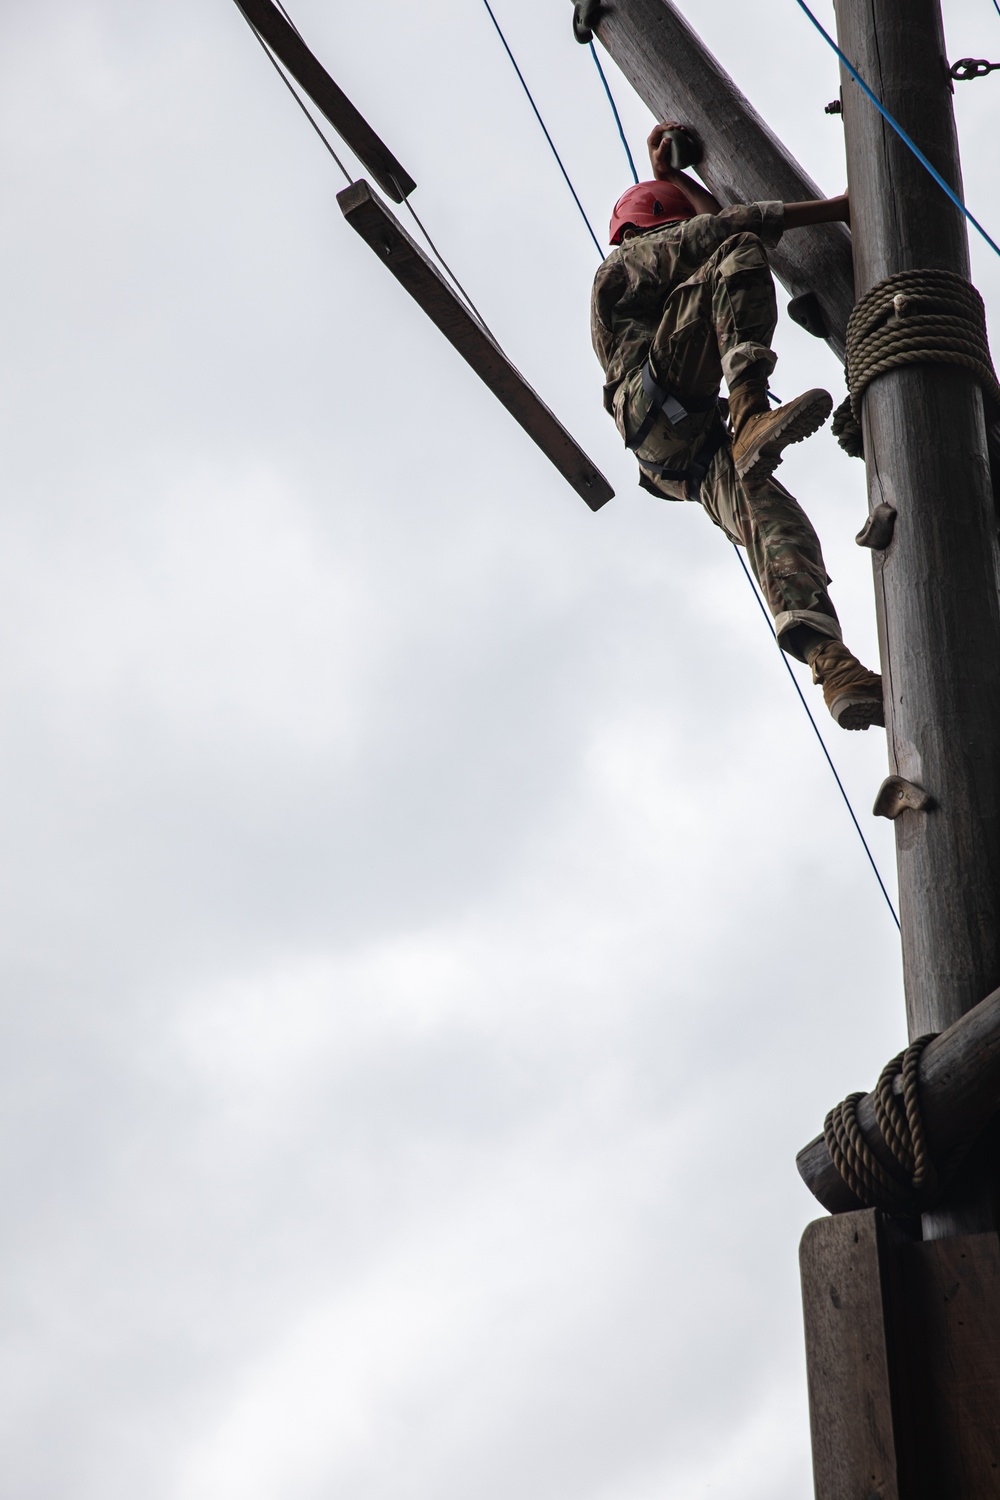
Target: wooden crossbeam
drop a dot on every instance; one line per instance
(367, 214)
(959, 1077)
(286, 44)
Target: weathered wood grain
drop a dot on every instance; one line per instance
(673, 71)
(847, 1360)
(936, 585)
(959, 1092)
(286, 44)
(948, 1367)
(367, 214)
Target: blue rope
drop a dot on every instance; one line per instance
(996, 6)
(899, 129)
(614, 107)
(829, 759)
(541, 122)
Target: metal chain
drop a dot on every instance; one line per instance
(971, 67)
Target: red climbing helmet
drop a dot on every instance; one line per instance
(648, 204)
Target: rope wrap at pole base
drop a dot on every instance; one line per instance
(908, 1186)
(915, 317)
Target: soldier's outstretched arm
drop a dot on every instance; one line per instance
(818, 211)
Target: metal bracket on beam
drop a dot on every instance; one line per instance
(877, 531)
(897, 795)
(807, 310)
(586, 14)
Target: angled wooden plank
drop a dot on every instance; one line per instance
(412, 269)
(286, 44)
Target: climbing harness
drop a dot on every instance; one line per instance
(913, 1177)
(915, 317)
(693, 476)
(665, 403)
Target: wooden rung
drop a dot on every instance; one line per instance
(411, 267)
(286, 44)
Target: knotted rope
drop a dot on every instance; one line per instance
(900, 1123)
(914, 317)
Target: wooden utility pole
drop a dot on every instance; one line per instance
(936, 584)
(902, 1315)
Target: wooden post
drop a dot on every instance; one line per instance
(936, 584)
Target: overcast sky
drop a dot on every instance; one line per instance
(429, 929)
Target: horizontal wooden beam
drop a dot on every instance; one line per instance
(289, 48)
(412, 269)
(959, 1094)
(670, 68)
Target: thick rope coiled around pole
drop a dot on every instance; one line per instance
(912, 318)
(906, 1187)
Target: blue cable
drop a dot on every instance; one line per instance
(829, 759)
(899, 129)
(996, 6)
(614, 107)
(541, 122)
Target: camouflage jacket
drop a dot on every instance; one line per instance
(632, 286)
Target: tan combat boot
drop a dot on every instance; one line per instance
(853, 694)
(760, 434)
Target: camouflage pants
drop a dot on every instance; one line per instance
(718, 323)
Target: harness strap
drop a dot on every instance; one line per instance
(662, 401)
(692, 477)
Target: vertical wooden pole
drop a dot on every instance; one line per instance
(936, 585)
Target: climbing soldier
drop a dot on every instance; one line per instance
(684, 299)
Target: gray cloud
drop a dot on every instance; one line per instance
(413, 886)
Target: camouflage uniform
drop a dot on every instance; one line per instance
(696, 299)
